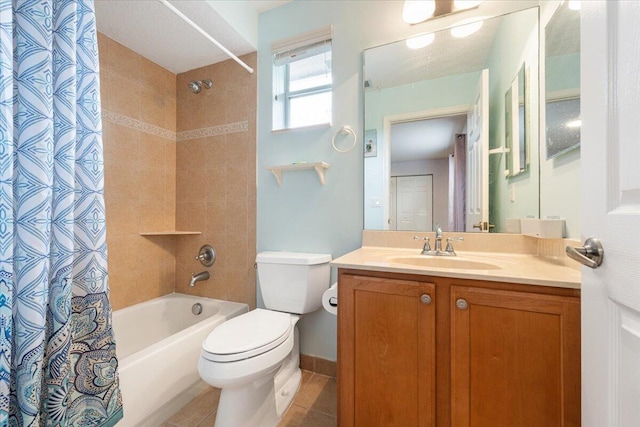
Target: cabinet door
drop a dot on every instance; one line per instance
(515, 359)
(386, 352)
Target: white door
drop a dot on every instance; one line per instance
(610, 40)
(393, 200)
(414, 202)
(478, 157)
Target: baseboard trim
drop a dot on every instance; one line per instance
(318, 365)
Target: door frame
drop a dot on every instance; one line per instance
(414, 116)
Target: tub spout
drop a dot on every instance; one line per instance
(203, 275)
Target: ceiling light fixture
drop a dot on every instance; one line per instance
(574, 4)
(465, 30)
(465, 4)
(416, 11)
(420, 41)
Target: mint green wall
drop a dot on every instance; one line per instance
(562, 72)
(303, 215)
(516, 42)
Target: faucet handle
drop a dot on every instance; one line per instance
(449, 247)
(206, 255)
(427, 247)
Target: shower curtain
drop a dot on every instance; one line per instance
(58, 364)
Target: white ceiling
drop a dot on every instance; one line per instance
(152, 30)
(447, 55)
(425, 139)
(562, 33)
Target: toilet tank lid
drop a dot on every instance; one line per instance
(302, 258)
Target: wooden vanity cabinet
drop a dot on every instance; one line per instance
(387, 352)
(515, 358)
(479, 354)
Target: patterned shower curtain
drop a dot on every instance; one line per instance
(58, 364)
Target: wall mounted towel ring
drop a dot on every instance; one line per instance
(344, 130)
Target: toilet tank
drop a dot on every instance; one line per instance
(293, 282)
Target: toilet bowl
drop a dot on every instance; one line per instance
(254, 358)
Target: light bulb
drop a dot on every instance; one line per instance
(574, 123)
(420, 41)
(415, 11)
(466, 30)
(465, 4)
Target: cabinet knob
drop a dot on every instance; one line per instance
(425, 298)
(462, 304)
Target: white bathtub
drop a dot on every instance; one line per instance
(158, 344)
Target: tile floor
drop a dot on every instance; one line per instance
(315, 405)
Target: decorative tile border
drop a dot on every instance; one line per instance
(129, 122)
(213, 131)
(132, 123)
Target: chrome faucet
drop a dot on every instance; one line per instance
(438, 238)
(437, 251)
(203, 275)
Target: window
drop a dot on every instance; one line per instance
(302, 81)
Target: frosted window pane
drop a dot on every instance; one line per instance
(310, 110)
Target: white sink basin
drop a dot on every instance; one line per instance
(458, 263)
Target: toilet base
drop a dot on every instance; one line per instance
(265, 400)
(287, 380)
(258, 406)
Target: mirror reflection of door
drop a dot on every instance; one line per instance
(422, 172)
(412, 202)
(393, 202)
(477, 214)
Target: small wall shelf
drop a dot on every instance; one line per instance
(499, 150)
(319, 167)
(169, 233)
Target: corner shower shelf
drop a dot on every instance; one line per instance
(319, 167)
(169, 233)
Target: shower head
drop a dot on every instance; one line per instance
(196, 86)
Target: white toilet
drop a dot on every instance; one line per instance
(254, 358)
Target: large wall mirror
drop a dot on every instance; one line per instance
(436, 112)
(439, 110)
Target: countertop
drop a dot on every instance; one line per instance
(504, 267)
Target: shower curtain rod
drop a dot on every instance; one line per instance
(204, 33)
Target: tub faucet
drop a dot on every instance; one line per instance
(203, 275)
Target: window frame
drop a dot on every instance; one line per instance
(301, 93)
(282, 110)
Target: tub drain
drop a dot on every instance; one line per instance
(196, 308)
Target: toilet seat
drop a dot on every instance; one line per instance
(247, 335)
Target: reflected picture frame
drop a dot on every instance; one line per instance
(562, 126)
(370, 142)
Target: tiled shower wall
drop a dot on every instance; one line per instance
(216, 184)
(139, 123)
(177, 160)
